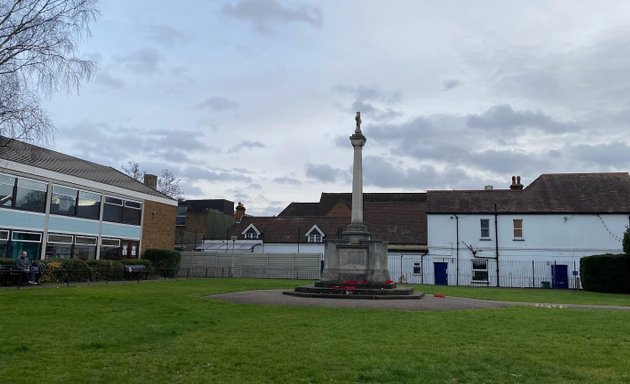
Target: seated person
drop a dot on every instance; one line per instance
(24, 264)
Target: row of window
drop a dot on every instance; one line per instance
(30, 195)
(517, 228)
(479, 270)
(65, 246)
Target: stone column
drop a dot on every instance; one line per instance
(357, 230)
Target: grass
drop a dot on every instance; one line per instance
(531, 295)
(171, 332)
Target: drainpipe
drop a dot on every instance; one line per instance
(496, 240)
(456, 248)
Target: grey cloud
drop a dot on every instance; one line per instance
(607, 156)
(108, 80)
(287, 180)
(383, 172)
(165, 35)
(246, 144)
(371, 101)
(218, 103)
(325, 173)
(215, 174)
(265, 14)
(142, 61)
(450, 84)
(503, 117)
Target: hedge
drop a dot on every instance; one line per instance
(606, 273)
(165, 261)
(106, 270)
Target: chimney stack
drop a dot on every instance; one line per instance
(516, 184)
(240, 212)
(150, 180)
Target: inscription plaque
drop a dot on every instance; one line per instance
(353, 258)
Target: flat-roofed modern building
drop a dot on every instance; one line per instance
(58, 206)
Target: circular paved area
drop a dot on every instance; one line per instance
(427, 303)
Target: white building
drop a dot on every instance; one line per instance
(525, 237)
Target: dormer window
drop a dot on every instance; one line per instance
(251, 232)
(314, 238)
(314, 235)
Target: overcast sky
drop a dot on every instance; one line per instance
(254, 100)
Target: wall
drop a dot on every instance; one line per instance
(549, 241)
(545, 236)
(158, 230)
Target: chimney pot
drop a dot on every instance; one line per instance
(150, 180)
(240, 212)
(516, 184)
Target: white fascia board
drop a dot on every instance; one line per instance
(314, 228)
(250, 227)
(88, 184)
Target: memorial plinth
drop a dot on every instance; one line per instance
(355, 266)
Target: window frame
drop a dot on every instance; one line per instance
(485, 228)
(31, 185)
(480, 267)
(517, 230)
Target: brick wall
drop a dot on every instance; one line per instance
(158, 230)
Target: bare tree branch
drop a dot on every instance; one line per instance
(38, 56)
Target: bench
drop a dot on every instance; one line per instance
(9, 276)
(134, 272)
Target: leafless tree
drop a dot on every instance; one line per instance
(133, 170)
(38, 56)
(168, 184)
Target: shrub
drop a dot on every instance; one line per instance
(165, 261)
(65, 270)
(6, 261)
(626, 241)
(606, 273)
(105, 270)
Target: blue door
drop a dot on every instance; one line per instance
(559, 276)
(440, 271)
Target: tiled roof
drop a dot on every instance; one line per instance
(32, 155)
(392, 217)
(549, 193)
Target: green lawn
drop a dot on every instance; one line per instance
(171, 332)
(535, 295)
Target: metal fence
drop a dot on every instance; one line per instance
(519, 273)
(255, 265)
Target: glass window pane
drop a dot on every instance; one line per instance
(31, 195)
(26, 236)
(63, 200)
(6, 190)
(85, 252)
(62, 239)
(133, 204)
(89, 205)
(4, 235)
(131, 216)
(85, 240)
(113, 200)
(58, 251)
(112, 213)
(110, 242)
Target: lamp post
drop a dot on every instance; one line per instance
(232, 268)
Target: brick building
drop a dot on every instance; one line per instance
(58, 206)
